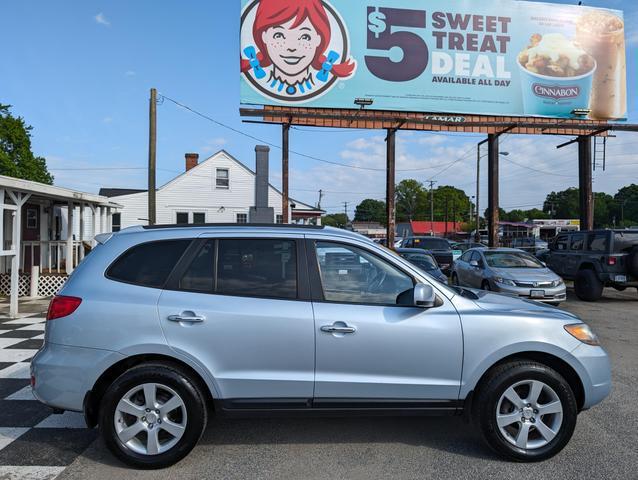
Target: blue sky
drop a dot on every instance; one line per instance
(80, 71)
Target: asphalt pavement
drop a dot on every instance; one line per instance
(604, 446)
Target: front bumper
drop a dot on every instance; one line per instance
(550, 295)
(63, 374)
(595, 374)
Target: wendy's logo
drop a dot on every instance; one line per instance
(294, 51)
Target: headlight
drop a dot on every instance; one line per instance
(557, 283)
(505, 281)
(582, 332)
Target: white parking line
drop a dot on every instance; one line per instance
(9, 434)
(25, 393)
(17, 370)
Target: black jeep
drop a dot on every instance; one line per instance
(596, 259)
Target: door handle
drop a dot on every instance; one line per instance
(338, 329)
(186, 318)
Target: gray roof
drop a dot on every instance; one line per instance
(116, 192)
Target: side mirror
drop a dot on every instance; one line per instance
(424, 296)
(474, 263)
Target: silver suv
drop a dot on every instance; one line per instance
(159, 327)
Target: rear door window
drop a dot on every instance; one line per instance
(148, 264)
(257, 268)
(561, 243)
(578, 242)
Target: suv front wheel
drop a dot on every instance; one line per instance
(152, 416)
(526, 411)
(587, 286)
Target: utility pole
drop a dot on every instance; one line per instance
(477, 235)
(320, 198)
(431, 182)
(446, 217)
(454, 215)
(345, 210)
(285, 197)
(390, 182)
(152, 156)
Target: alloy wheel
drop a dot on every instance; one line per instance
(529, 414)
(150, 419)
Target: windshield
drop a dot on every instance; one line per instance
(511, 260)
(422, 260)
(432, 243)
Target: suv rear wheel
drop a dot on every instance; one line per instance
(526, 411)
(152, 416)
(587, 286)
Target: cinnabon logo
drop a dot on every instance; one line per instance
(554, 91)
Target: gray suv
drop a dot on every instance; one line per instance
(160, 327)
(596, 259)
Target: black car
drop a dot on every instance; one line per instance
(424, 260)
(439, 247)
(596, 259)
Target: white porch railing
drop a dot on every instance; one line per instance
(49, 254)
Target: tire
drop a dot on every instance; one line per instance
(509, 439)
(632, 262)
(587, 286)
(190, 416)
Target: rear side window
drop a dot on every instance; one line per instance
(598, 242)
(198, 277)
(259, 268)
(578, 242)
(148, 264)
(561, 243)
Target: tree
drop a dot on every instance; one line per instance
(563, 204)
(627, 206)
(16, 158)
(457, 203)
(410, 194)
(370, 210)
(338, 220)
(604, 209)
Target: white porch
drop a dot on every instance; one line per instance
(46, 231)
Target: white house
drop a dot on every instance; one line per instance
(220, 189)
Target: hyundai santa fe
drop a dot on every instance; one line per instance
(160, 327)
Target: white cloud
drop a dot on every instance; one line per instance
(130, 73)
(102, 20)
(214, 144)
(107, 120)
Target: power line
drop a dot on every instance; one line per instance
(310, 157)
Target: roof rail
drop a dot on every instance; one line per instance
(242, 225)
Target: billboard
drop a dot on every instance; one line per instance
(494, 57)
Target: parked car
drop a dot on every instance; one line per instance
(425, 261)
(465, 246)
(596, 259)
(511, 271)
(161, 326)
(439, 247)
(532, 245)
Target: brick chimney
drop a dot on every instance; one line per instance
(191, 160)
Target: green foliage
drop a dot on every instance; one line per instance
(626, 201)
(370, 210)
(16, 158)
(410, 198)
(563, 204)
(338, 220)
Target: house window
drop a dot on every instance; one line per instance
(280, 219)
(181, 218)
(116, 222)
(242, 218)
(222, 179)
(199, 218)
(32, 218)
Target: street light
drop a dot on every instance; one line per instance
(477, 235)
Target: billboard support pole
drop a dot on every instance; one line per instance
(586, 197)
(285, 197)
(477, 234)
(390, 186)
(493, 194)
(152, 156)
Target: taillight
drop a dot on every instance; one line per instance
(611, 261)
(62, 306)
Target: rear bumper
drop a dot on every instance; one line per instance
(63, 374)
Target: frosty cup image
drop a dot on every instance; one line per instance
(602, 35)
(556, 76)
